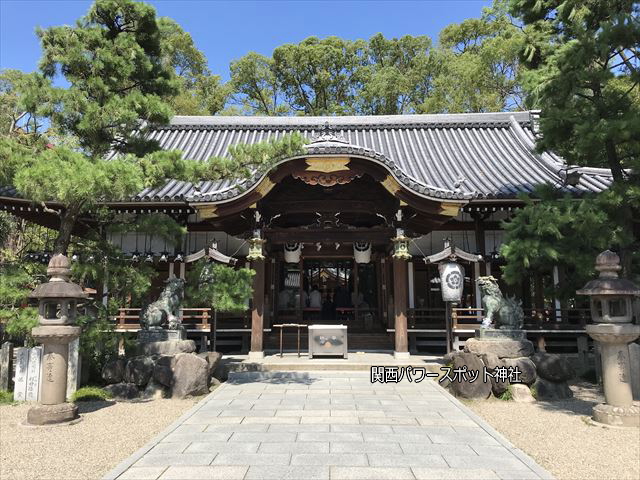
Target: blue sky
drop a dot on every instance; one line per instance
(227, 30)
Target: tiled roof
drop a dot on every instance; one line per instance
(465, 156)
(457, 156)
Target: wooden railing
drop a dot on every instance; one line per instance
(469, 318)
(193, 319)
(563, 327)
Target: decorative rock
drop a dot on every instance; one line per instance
(447, 359)
(163, 371)
(51, 414)
(498, 387)
(168, 347)
(190, 376)
(526, 367)
(476, 389)
(553, 367)
(521, 393)
(491, 361)
(212, 359)
(139, 370)
(546, 390)
(154, 391)
(113, 370)
(125, 391)
(501, 348)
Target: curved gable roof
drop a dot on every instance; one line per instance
(457, 156)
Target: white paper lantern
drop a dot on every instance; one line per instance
(451, 281)
(292, 252)
(362, 252)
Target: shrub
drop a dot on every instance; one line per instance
(507, 394)
(6, 398)
(87, 394)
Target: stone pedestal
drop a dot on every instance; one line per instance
(160, 335)
(53, 409)
(497, 334)
(619, 409)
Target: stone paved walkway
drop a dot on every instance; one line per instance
(328, 425)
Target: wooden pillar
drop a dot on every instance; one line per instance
(478, 294)
(257, 310)
(412, 301)
(400, 306)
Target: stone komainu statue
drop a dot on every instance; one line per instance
(164, 312)
(500, 312)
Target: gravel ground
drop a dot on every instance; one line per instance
(558, 437)
(108, 433)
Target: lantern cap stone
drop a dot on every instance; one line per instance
(58, 286)
(608, 283)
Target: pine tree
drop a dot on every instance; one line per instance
(583, 72)
(120, 75)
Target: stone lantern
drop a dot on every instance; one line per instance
(611, 309)
(57, 306)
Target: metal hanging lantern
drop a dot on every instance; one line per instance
(362, 252)
(451, 281)
(255, 247)
(292, 252)
(401, 245)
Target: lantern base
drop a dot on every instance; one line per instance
(497, 334)
(52, 414)
(617, 416)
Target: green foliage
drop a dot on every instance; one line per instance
(482, 54)
(583, 72)
(6, 398)
(20, 322)
(224, 288)
(507, 394)
(16, 283)
(386, 76)
(156, 224)
(560, 230)
(200, 92)
(98, 341)
(90, 394)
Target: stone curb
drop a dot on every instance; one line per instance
(138, 454)
(501, 439)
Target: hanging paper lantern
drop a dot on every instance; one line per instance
(292, 252)
(362, 252)
(451, 281)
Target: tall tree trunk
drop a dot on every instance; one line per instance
(68, 220)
